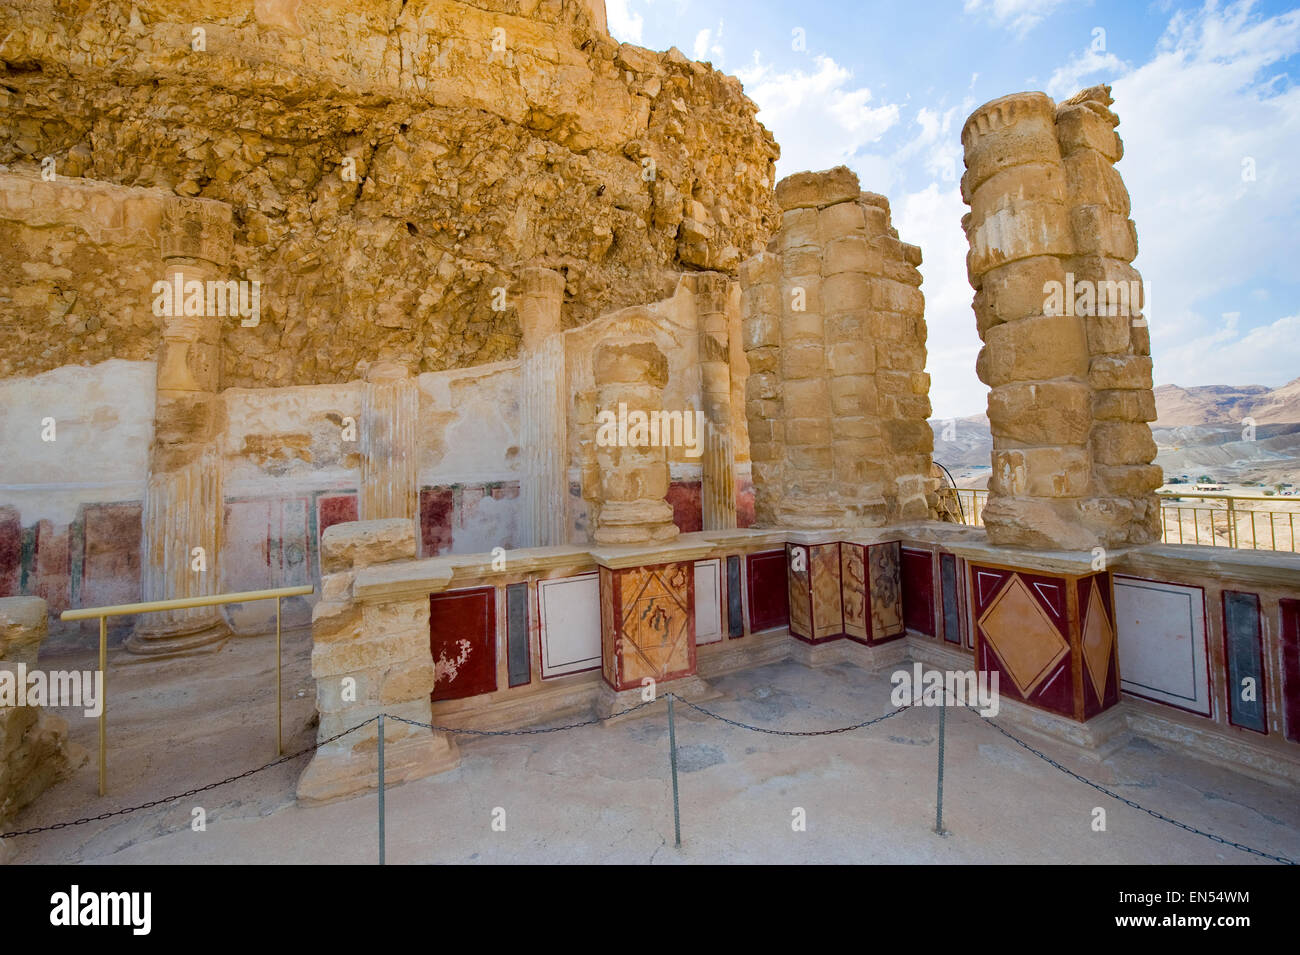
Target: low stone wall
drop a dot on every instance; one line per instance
(370, 657)
(34, 749)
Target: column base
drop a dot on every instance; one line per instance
(611, 702)
(338, 772)
(1092, 741)
(843, 650)
(206, 636)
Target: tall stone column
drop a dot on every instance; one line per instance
(718, 482)
(184, 508)
(390, 405)
(633, 472)
(835, 335)
(543, 411)
(1036, 363)
(760, 279)
(1070, 382)
(1119, 341)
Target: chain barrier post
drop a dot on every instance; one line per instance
(938, 808)
(103, 710)
(672, 758)
(381, 788)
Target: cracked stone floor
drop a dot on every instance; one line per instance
(603, 793)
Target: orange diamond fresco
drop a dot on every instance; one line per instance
(1023, 636)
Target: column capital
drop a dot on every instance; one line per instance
(197, 229)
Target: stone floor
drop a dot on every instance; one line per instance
(602, 793)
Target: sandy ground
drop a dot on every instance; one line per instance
(602, 793)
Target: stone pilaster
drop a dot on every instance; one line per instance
(630, 380)
(543, 411)
(184, 507)
(390, 405)
(718, 482)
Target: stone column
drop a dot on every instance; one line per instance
(809, 473)
(718, 482)
(1119, 342)
(835, 334)
(390, 405)
(543, 411)
(1035, 363)
(760, 279)
(633, 475)
(184, 508)
(1071, 387)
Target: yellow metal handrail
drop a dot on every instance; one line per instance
(182, 603)
(972, 501)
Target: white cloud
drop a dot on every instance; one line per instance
(708, 46)
(624, 25)
(819, 118)
(1067, 80)
(702, 43)
(1265, 355)
(1020, 16)
(1203, 105)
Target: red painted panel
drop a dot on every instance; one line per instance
(684, 496)
(462, 639)
(769, 597)
(745, 504)
(52, 577)
(918, 591)
(1291, 667)
(340, 509)
(11, 551)
(111, 566)
(436, 505)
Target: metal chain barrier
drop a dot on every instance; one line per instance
(190, 792)
(591, 722)
(1129, 802)
(524, 732)
(772, 732)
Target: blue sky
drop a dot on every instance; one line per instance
(1205, 92)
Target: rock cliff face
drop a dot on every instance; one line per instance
(391, 164)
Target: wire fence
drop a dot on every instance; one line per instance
(670, 698)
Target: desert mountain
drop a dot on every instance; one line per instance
(1226, 404)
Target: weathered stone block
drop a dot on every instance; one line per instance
(1035, 349)
(358, 544)
(816, 190)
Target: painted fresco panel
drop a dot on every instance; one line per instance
(769, 600)
(462, 639)
(1162, 648)
(885, 597)
(1241, 638)
(853, 584)
(828, 612)
(570, 624)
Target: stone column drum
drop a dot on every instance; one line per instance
(718, 481)
(633, 478)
